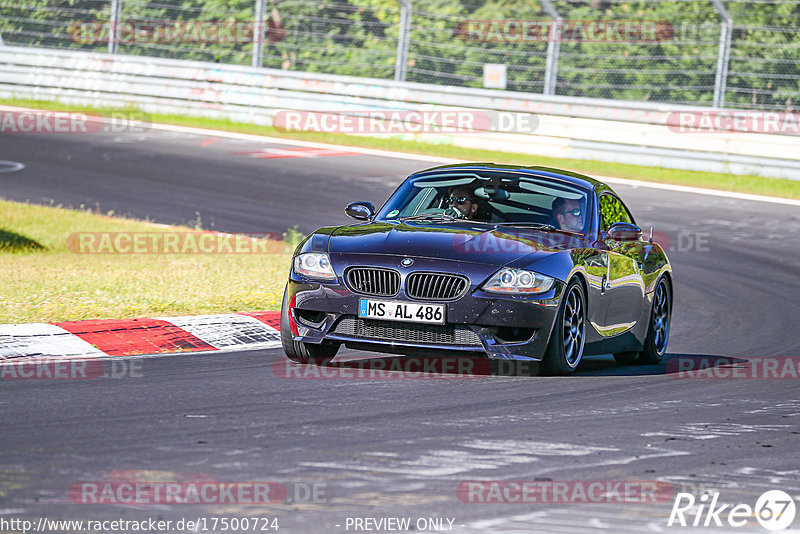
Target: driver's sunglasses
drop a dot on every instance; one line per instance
(575, 213)
(457, 200)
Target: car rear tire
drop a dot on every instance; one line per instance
(655, 344)
(298, 351)
(565, 348)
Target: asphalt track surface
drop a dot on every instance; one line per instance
(399, 447)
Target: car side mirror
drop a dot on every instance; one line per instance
(623, 231)
(363, 211)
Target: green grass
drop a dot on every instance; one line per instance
(41, 279)
(727, 182)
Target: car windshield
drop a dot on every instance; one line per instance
(498, 198)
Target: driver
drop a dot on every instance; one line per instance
(462, 203)
(568, 214)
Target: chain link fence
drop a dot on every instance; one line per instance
(736, 54)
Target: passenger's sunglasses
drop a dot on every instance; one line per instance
(575, 213)
(457, 200)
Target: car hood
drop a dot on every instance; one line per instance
(459, 241)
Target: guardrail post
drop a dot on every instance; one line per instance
(259, 31)
(723, 55)
(553, 48)
(401, 63)
(113, 21)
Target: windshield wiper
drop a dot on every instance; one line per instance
(538, 226)
(429, 217)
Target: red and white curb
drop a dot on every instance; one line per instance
(130, 337)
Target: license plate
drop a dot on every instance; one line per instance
(393, 310)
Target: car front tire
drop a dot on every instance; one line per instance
(655, 344)
(565, 348)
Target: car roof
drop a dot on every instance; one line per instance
(581, 180)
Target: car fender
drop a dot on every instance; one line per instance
(316, 242)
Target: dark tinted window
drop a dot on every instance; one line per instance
(501, 197)
(612, 211)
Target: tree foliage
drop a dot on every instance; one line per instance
(359, 38)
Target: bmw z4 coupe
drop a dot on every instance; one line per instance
(496, 261)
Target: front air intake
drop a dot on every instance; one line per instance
(436, 286)
(373, 281)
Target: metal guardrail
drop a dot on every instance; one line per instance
(735, 53)
(367, 92)
(606, 130)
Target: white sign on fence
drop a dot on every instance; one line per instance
(494, 75)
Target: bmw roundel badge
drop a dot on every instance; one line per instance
(407, 262)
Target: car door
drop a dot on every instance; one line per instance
(624, 288)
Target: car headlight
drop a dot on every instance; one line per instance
(316, 265)
(518, 281)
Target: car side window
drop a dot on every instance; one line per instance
(612, 211)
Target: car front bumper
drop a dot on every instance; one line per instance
(499, 326)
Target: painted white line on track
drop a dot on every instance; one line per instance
(309, 144)
(699, 191)
(11, 166)
(436, 159)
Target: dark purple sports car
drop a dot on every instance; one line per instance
(520, 263)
